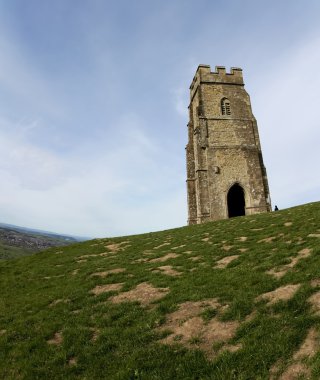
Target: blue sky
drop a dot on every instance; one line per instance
(94, 96)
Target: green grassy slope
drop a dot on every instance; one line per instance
(9, 252)
(53, 326)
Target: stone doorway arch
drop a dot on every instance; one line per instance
(236, 201)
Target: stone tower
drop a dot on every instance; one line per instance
(225, 172)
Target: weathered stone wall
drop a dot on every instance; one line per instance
(222, 149)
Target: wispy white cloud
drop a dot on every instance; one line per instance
(110, 184)
(110, 188)
(286, 106)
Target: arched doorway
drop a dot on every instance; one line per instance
(236, 202)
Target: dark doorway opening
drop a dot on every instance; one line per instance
(236, 202)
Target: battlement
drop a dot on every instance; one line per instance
(205, 75)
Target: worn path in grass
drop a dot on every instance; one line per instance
(233, 299)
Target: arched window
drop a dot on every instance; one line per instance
(225, 107)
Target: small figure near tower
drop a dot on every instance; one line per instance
(226, 176)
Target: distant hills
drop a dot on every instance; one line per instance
(18, 241)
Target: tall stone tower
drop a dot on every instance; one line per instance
(225, 172)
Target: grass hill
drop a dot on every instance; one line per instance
(233, 299)
(18, 241)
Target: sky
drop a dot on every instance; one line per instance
(94, 97)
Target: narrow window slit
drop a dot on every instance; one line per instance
(225, 107)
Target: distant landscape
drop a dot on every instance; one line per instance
(18, 241)
(234, 299)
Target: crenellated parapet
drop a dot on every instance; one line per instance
(205, 75)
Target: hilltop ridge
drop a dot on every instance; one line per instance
(18, 241)
(232, 299)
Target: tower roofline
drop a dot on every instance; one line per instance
(205, 75)
(218, 69)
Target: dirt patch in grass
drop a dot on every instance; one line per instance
(267, 240)
(295, 371)
(242, 238)
(179, 246)
(242, 249)
(297, 368)
(227, 247)
(95, 334)
(141, 260)
(86, 256)
(82, 261)
(72, 362)
(205, 239)
(315, 302)
(148, 252)
(99, 289)
(56, 340)
(188, 328)
(102, 254)
(116, 247)
(250, 317)
(144, 293)
(284, 293)
(2, 332)
(50, 277)
(195, 258)
(161, 245)
(56, 302)
(190, 309)
(107, 255)
(305, 252)
(315, 282)
(168, 270)
(164, 258)
(274, 370)
(222, 263)
(309, 347)
(107, 272)
(279, 272)
(288, 224)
